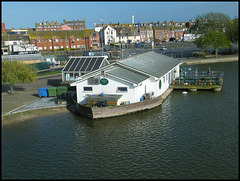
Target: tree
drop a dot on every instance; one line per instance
(24, 43)
(232, 32)
(211, 22)
(214, 39)
(14, 72)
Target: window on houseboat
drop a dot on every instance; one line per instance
(87, 88)
(122, 89)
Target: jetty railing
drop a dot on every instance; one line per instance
(194, 80)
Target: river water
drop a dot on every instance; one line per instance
(190, 136)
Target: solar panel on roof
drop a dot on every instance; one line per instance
(69, 63)
(81, 62)
(85, 64)
(74, 64)
(98, 63)
(90, 65)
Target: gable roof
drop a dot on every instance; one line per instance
(151, 63)
(136, 69)
(127, 75)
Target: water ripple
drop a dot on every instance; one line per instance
(192, 136)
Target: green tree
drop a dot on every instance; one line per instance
(213, 39)
(211, 22)
(232, 32)
(14, 72)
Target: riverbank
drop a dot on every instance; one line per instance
(25, 94)
(23, 116)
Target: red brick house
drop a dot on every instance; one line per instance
(70, 39)
(163, 34)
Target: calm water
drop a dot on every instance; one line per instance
(188, 137)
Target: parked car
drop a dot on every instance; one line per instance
(139, 45)
(164, 48)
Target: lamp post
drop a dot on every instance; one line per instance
(102, 35)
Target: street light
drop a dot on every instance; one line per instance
(102, 35)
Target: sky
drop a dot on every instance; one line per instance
(25, 13)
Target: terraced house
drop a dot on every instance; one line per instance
(70, 39)
(165, 34)
(57, 26)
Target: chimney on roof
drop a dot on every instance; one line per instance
(63, 21)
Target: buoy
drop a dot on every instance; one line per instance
(184, 92)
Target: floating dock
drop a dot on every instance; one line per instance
(194, 80)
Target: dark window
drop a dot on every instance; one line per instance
(87, 88)
(122, 89)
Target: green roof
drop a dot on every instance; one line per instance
(60, 34)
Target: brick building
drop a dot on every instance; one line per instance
(146, 34)
(75, 25)
(57, 26)
(165, 34)
(55, 40)
(2, 27)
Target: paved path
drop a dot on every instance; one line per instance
(27, 93)
(220, 58)
(45, 102)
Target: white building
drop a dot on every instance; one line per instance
(130, 79)
(97, 27)
(190, 36)
(128, 37)
(108, 34)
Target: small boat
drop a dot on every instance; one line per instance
(184, 92)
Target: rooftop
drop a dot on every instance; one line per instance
(61, 34)
(151, 63)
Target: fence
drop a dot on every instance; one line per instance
(23, 57)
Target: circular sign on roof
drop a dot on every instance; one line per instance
(104, 81)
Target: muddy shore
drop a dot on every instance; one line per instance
(26, 115)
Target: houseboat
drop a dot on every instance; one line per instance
(133, 84)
